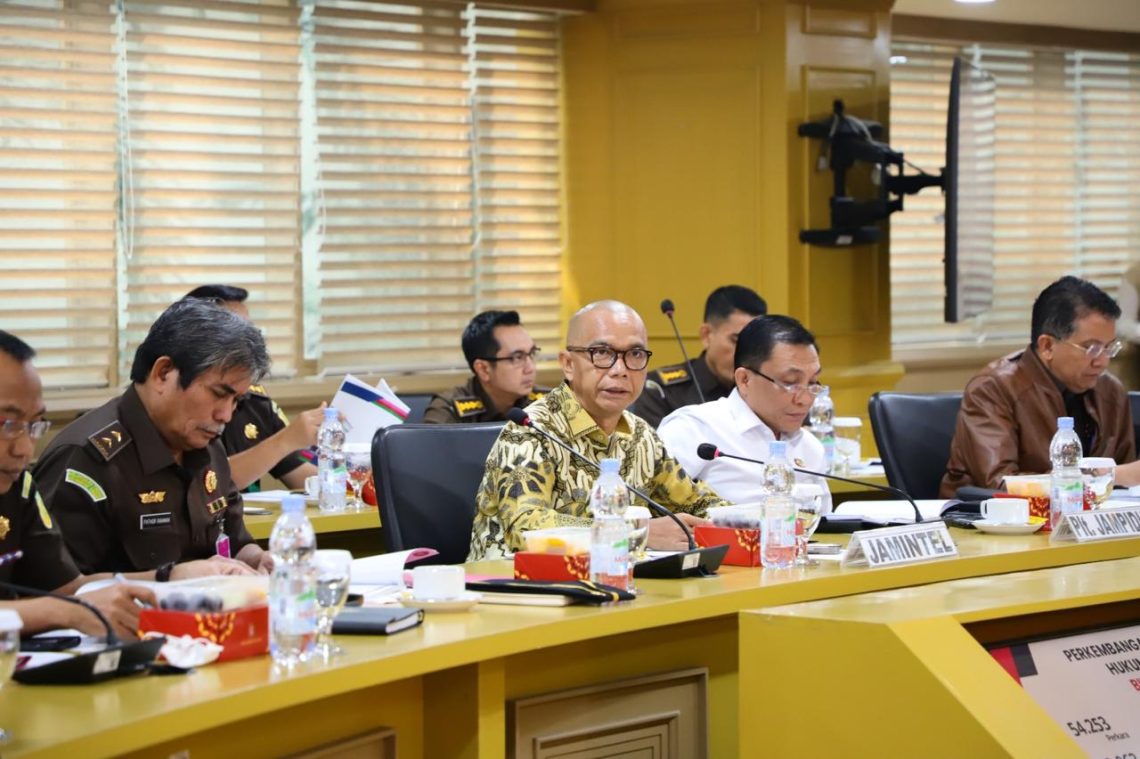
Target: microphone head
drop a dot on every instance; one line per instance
(519, 417)
(667, 307)
(707, 451)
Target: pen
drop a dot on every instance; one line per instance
(8, 558)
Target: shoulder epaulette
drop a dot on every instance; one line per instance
(674, 375)
(468, 406)
(110, 440)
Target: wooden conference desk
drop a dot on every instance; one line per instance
(356, 531)
(448, 688)
(917, 657)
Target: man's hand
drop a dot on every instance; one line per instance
(117, 602)
(302, 430)
(253, 556)
(665, 535)
(215, 565)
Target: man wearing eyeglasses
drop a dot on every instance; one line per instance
(530, 483)
(1010, 409)
(502, 359)
(777, 377)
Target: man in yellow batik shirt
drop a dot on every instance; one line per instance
(530, 483)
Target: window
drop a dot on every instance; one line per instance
(1066, 158)
(375, 173)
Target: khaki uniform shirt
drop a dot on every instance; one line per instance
(530, 483)
(468, 403)
(676, 386)
(26, 525)
(256, 418)
(1009, 416)
(122, 502)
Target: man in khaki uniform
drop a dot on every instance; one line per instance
(728, 310)
(502, 360)
(143, 482)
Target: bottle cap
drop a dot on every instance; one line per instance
(292, 504)
(331, 414)
(610, 466)
(1064, 422)
(778, 449)
(10, 620)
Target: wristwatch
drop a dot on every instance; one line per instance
(162, 574)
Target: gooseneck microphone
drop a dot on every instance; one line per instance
(114, 659)
(667, 309)
(522, 419)
(708, 452)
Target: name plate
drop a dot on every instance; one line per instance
(1102, 524)
(889, 546)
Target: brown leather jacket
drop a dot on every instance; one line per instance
(1008, 417)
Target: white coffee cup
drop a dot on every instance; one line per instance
(437, 582)
(1006, 510)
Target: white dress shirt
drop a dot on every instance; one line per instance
(734, 428)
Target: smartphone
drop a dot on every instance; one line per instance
(50, 643)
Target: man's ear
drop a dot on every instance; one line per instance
(706, 331)
(566, 361)
(163, 374)
(482, 370)
(1045, 346)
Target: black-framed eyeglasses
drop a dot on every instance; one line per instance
(1096, 350)
(811, 388)
(518, 357)
(10, 429)
(604, 357)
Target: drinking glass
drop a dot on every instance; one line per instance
(809, 509)
(358, 459)
(10, 626)
(334, 572)
(637, 517)
(1099, 475)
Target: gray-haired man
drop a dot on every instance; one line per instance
(143, 481)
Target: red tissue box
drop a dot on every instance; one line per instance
(240, 633)
(551, 566)
(743, 543)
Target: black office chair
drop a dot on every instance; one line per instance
(913, 433)
(427, 476)
(417, 405)
(1134, 402)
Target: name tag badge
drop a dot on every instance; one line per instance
(1101, 524)
(222, 546)
(891, 546)
(154, 521)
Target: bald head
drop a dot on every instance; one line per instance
(594, 318)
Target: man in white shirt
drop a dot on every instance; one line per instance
(777, 378)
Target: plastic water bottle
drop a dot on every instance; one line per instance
(778, 530)
(819, 417)
(331, 467)
(609, 534)
(293, 586)
(1066, 488)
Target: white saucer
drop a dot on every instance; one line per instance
(462, 602)
(996, 528)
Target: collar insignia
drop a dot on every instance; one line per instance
(211, 481)
(251, 432)
(5, 526)
(466, 407)
(673, 375)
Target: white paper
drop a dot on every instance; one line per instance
(893, 511)
(379, 407)
(382, 569)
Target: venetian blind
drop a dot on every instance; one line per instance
(1065, 160)
(437, 136)
(211, 178)
(57, 186)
